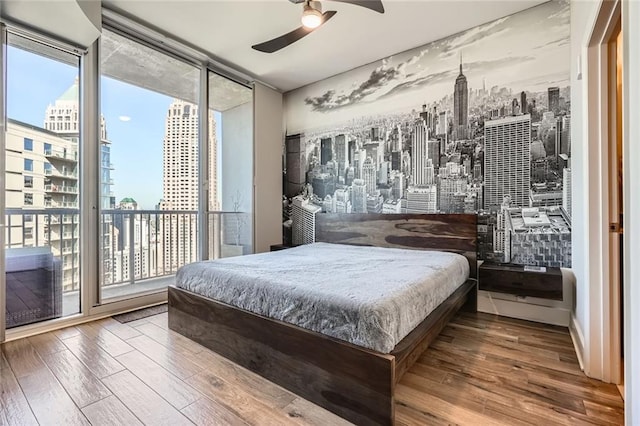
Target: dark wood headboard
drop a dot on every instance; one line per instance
(443, 232)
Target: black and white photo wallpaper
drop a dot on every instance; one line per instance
(476, 122)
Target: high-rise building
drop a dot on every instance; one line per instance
(566, 190)
(396, 180)
(352, 151)
(369, 175)
(180, 181)
(460, 105)
(422, 199)
(430, 173)
(359, 189)
(303, 217)
(136, 241)
(507, 160)
(419, 153)
(566, 135)
(342, 156)
(554, 99)
(326, 153)
(433, 152)
(524, 107)
(453, 188)
(342, 202)
(443, 123)
(48, 160)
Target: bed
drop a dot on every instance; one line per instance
(343, 347)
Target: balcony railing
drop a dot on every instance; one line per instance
(65, 155)
(63, 189)
(67, 174)
(135, 245)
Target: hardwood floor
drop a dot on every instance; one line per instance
(481, 370)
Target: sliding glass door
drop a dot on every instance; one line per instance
(230, 168)
(149, 164)
(174, 152)
(41, 183)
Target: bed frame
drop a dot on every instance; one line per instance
(353, 382)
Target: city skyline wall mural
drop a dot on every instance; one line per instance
(478, 122)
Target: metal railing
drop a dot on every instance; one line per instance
(68, 155)
(135, 245)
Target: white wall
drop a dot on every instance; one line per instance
(589, 307)
(631, 55)
(582, 20)
(237, 161)
(269, 135)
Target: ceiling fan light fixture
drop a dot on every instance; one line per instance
(311, 17)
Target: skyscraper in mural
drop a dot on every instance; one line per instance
(554, 99)
(460, 105)
(507, 160)
(419, 153)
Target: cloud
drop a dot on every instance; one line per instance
(379, 78)
(478, 67)
(124, 118)
(563, 15)
(470, 37)
(562, 41)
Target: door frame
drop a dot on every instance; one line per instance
(603, 356)
(3, 127)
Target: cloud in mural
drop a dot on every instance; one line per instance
(450, 75)
(469, 38)
(562, 41)
(379, 78)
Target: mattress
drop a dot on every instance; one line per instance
(369, 296)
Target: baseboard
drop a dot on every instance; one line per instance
(578, 340)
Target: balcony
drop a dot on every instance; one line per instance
(61, 155)
(61, 189)
(64, 174)
(61, 204)
(141, 249)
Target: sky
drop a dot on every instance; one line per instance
(526, 51)
(135, 120)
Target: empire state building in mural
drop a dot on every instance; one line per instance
(425, 132)
(460, 105)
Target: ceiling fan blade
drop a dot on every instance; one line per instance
(375, 5)
(289, 38)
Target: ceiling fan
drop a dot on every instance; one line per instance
(312, 18)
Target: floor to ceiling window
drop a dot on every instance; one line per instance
(41, 184)
(168, 195)
(149, 179)
(231, 168)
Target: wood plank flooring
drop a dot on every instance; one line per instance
(482, 370)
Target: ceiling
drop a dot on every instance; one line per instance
(355, 36)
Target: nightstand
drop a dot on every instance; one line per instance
(519, 280)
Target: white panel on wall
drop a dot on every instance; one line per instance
(268, 164)
(236, 172)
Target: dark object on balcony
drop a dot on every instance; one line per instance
(34, 286)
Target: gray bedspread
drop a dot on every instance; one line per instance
(369, 296)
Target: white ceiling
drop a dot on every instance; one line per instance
(354, 37)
